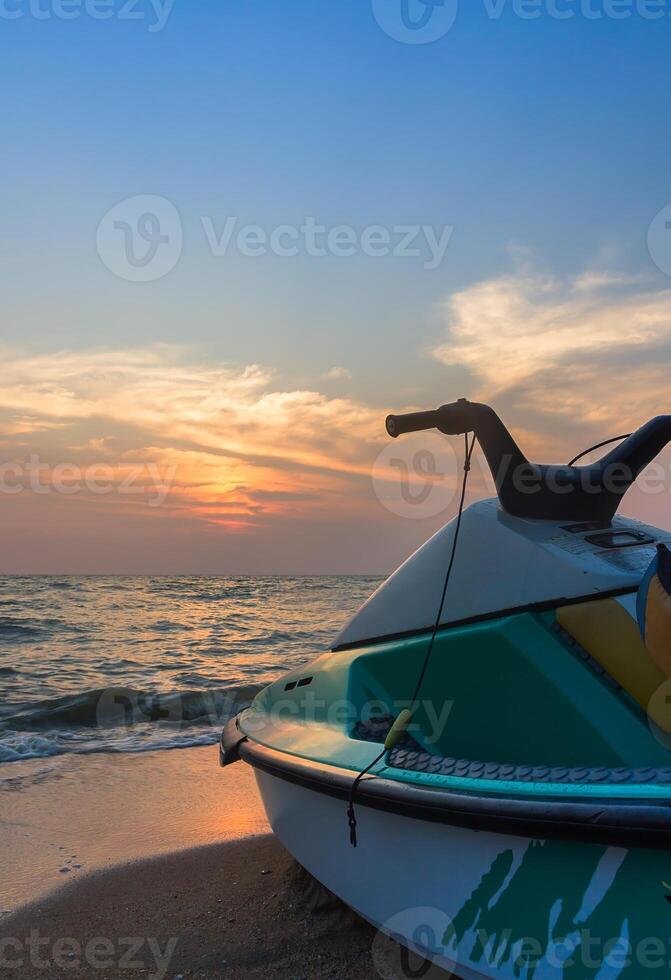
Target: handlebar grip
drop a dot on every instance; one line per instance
(453, 419)
(398, 425)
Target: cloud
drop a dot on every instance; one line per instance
(228, 434)
(589, 351)
(337, 374)
(603, 279)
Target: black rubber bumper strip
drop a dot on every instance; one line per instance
(630, 823)
(229, 746)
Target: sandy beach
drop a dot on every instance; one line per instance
(239, 910)
(159, 865)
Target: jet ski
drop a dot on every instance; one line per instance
(481, 764)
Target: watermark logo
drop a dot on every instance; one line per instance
(120, 707)
(415, 21)
(140, 239)
(581, 952)
(420, 476)
(100, 954)
(424, 21)
(318, 241)
(32, 475)
(154, 13)
(659, 240)
(413, 944)
(416, 478)
(593, 10)
(368, 720)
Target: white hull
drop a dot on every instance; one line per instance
(413, 879)
(405, 875)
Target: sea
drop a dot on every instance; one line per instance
(108, 664)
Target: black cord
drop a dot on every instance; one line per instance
(351, 816)
(591, 449)
(436, 625)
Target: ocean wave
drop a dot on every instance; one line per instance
(16, 629)
(23, 746)
(120, 719)
(111, 707)
(130, 663)
(13, 628)
(15, 747)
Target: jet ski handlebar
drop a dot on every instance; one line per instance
(547, 492)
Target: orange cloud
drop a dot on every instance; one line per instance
(233, 447)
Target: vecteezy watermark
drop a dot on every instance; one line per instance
(415, 21)
(608, 955)
(140, 239)
(421, 478)
(318, 241)
(120, 707)
(138, 479)
(568, 9)
(416, 477)
(155, 13)
(138, 953)
(423, 21)
(659, 240)
(414, 943)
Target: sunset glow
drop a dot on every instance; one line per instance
(152, 435)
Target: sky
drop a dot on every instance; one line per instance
(236, 233)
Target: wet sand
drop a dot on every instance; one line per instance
(65, 817)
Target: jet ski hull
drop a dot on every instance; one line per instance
(480, 903)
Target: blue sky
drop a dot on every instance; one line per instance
(539, 138)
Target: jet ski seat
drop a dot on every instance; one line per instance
(635, 654)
